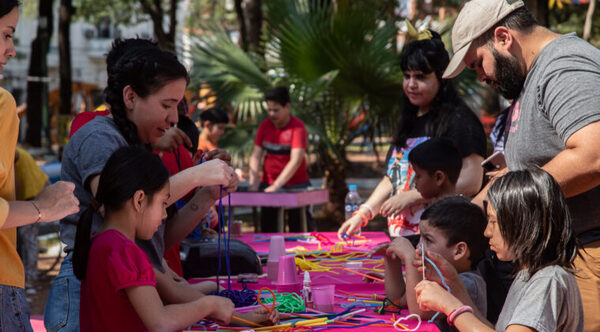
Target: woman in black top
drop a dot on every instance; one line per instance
(431, 108)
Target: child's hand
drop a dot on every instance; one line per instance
(399, 202)
(432, 297)
(380, 250)
(447, 269)
(401, 248)
(260, 316)
(218, 154)
(349, 226)
(172, 138)
(223, 309)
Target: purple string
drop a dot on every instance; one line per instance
(219, 236)
(242, 298)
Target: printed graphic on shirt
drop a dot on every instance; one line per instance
(274, 148)
(513, 118)
(401, 175)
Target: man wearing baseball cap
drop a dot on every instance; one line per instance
(554, 81)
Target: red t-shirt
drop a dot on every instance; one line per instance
(83, 118)
(175, 163)
(114, 264)
(279, 142)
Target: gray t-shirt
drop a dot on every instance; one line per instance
(475, 286)
(548, 301)
(559, 97)
(84, 157)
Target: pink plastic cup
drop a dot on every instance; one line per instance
(288, 275)
(276, 248)
(272, 270)
(323, 297)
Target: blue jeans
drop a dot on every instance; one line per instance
(14, 310)
(62, 307)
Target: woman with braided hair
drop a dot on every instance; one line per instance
(143, 89)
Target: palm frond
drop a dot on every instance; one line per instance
(232, 75)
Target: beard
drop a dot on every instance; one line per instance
(510, 75)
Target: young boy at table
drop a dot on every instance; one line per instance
(284, 138)
(437, 164)
(451, 227)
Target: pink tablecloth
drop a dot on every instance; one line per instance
(343, 281)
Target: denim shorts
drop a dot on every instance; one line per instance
(62, 307)
(14, 313)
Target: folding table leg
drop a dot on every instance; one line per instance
(303, 222)
(256, 220)
(280, 220)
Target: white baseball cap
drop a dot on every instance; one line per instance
(475, 18)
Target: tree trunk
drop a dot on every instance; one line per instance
(64, 52)
(37, 88)
(539, 9)
(335, 182)
(254, 18)
(587, 27)
(165, 39)
(64, 68)
(241, 18)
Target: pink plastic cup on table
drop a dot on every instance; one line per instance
(323, 297)
(276, 250)
(287, 278)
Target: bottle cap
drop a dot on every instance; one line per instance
(352, 187)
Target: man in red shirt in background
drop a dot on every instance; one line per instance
(284, 138)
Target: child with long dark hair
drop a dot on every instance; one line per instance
(118, 289)
(431, 107)
(529, 224)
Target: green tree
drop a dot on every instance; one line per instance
(339, 61)
(163, 15)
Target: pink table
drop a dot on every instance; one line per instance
(342, 281)
(282, 200)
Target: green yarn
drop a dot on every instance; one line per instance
(288, 302)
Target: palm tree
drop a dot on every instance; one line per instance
(338, 60)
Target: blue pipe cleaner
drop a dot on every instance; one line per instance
(441, 276)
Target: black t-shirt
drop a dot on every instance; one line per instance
(464, 129)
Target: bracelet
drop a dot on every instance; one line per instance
(456, 312)
(364, 218)
(370, 208)
(39, 217)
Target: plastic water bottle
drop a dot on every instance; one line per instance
(352, 203)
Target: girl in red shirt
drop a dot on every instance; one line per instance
(118, 289)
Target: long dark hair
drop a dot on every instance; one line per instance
(146, 70)
(428, 56)
(128, 170)
(6, 6)
(533, 219)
